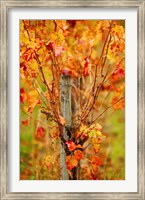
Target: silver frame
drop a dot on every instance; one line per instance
(5, 5)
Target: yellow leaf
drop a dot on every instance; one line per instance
(83, 128)
(98, 127)
(99, 133)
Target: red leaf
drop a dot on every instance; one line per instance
(23, 65)
(86, 67)
(25, 122)
(29, 54)
(118, 74)
(22, 91)
(21, 99)
(84, 135)
(87, 62)
(38, 102)
(22, 95)
(93, 176)
(40, 132)
(49, 46)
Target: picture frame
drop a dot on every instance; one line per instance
(4, 122)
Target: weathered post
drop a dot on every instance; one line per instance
(65, 86)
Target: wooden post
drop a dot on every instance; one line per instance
(65, 86)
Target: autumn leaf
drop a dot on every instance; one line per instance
(71, 145)
(32, 100)
(82, 132)
(23, 95)
(98, 127)
(71, 162)
(78, 154)
(93, 174)
(58, 50)
(97, 140)
(49, 46)
(55, 47)
(118, 74)
(119, 105)
(25, 122)
(92, 133)
(49, 161)
(78, 134)
(86, 67)
(96, 160)
(40, 132)
(29, 54)
(98, 133)
(96, 147)
(23, 65)
(33, 104)
(79, 49)
(84, 135)
(83, 128)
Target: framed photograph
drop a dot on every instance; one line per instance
(72, 99)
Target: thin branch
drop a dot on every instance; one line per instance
(33, 82)
(101, 56)
(93, 92)
(39, 121)
(95, 98)
(56, 115)
(106, 55)
(106, 110)
(114, 70)
(26, 31)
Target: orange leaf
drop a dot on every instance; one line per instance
(96, 160)
(71, 145)
(71, 162)
(119, 105)
(78, 154)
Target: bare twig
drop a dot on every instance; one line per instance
(106, 110)
(40, 121)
